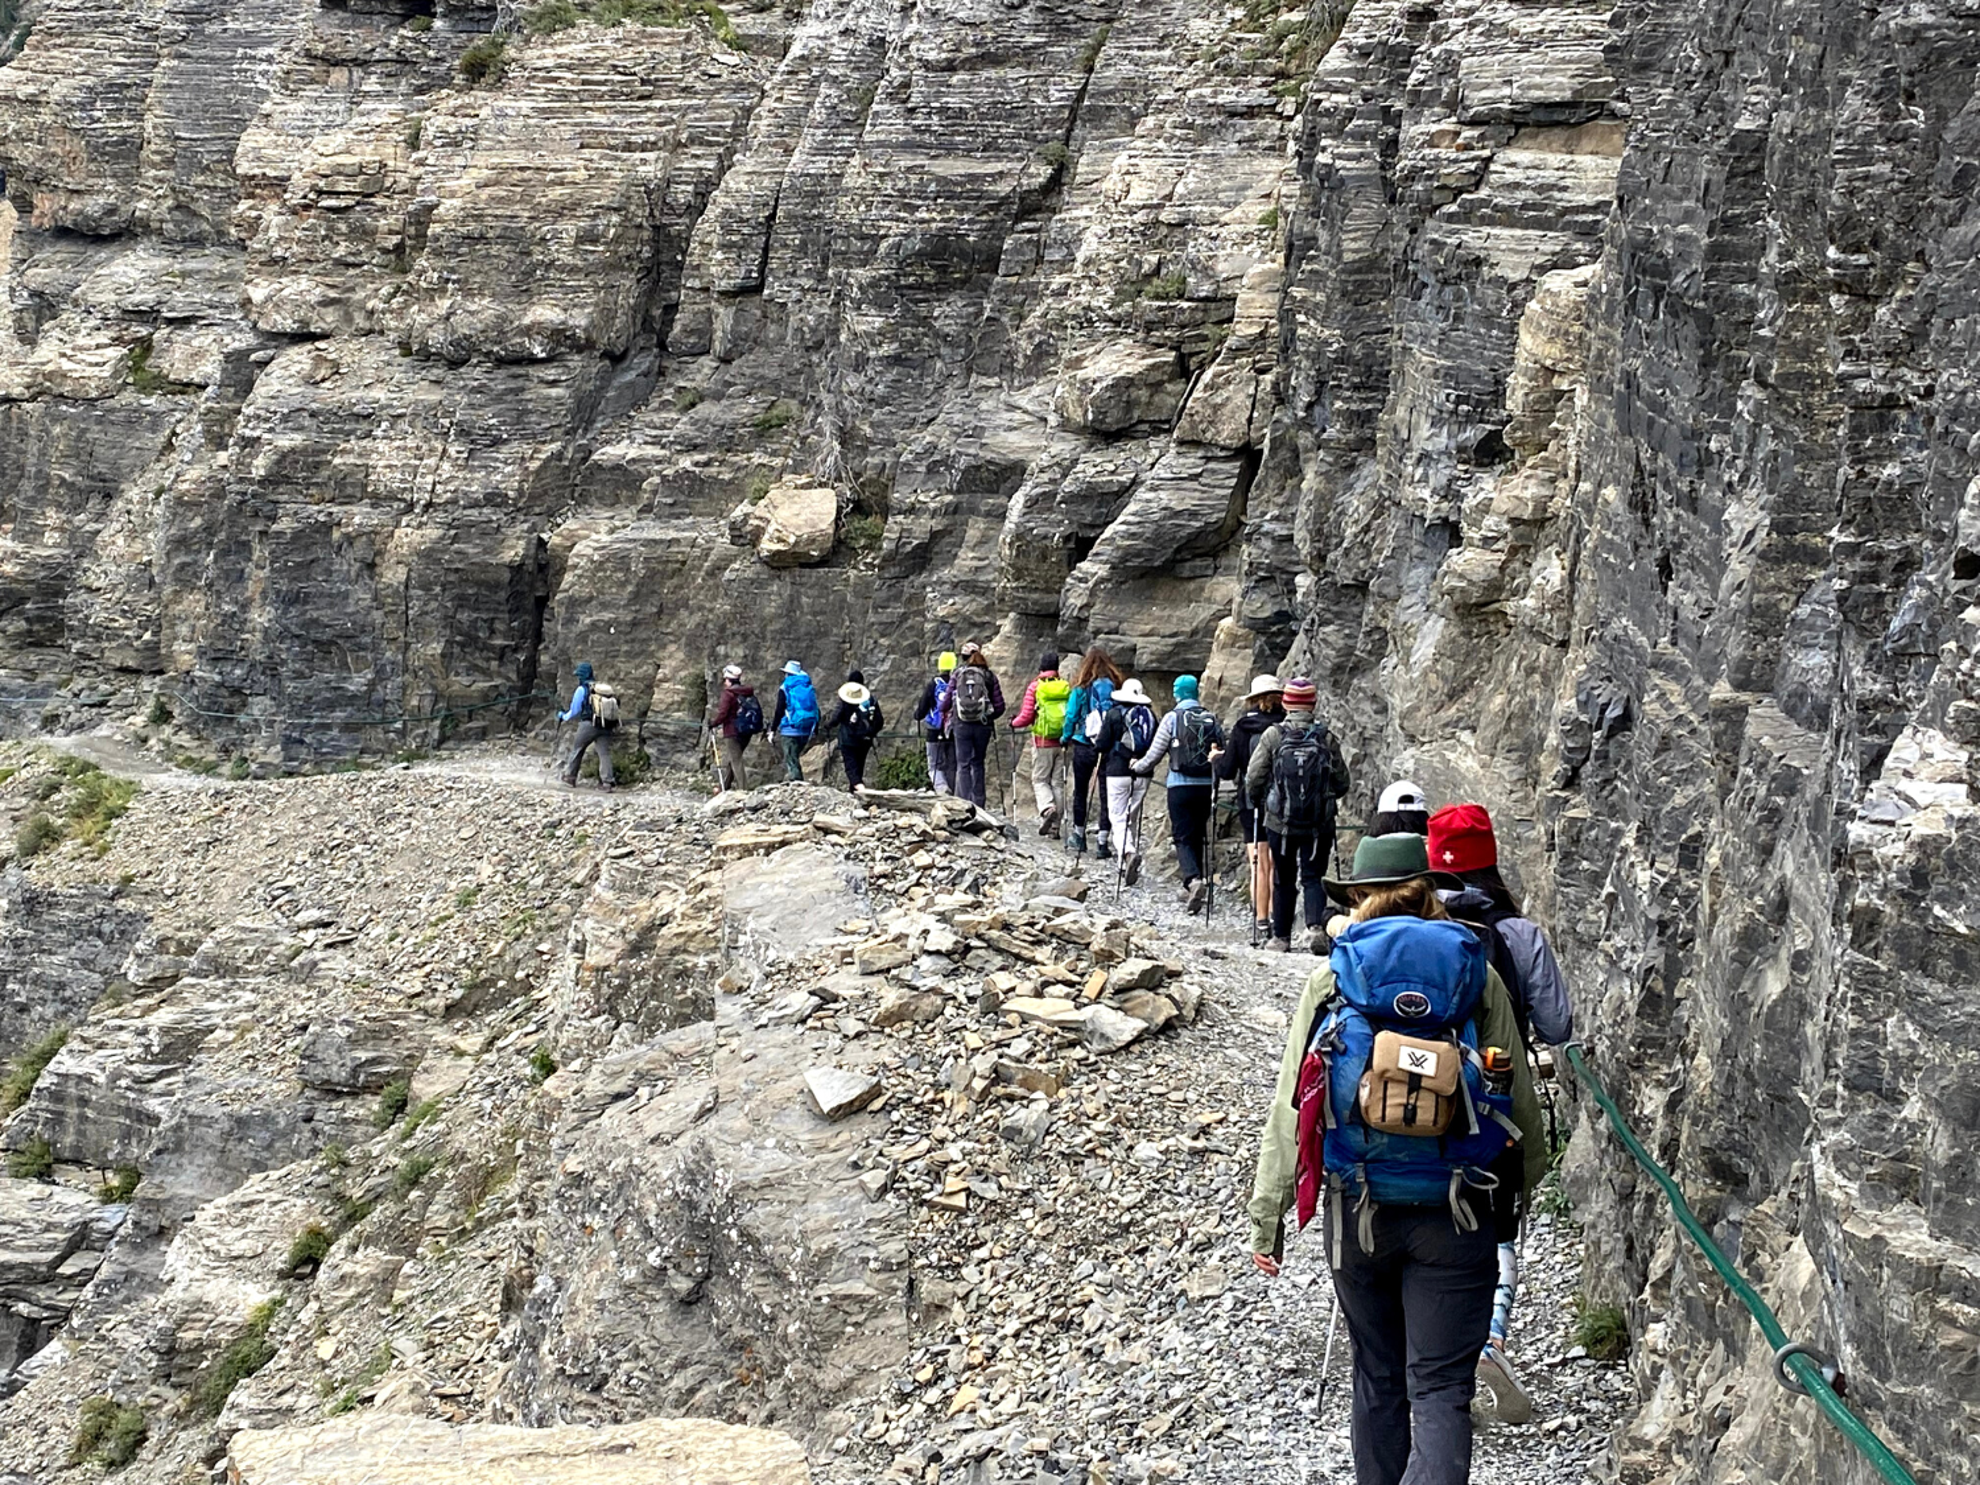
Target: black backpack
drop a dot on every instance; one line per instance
(859, 722)
(1485, 923)
(1197, 732)
(1301, 794)
(970, 700)
(749, 718)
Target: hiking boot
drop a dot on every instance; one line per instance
(1076, 841)
(1261, 930)
(1049, 823)
(1277, 946)
(1198, 890)
(1501, 1387)
(1318, 941)
(1104, 851)
(1132, 869)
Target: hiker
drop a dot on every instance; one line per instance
(1407, 1217)
(976, 701)
(796, 718)
(932, 712)
(1262, 709)
(1189, 737)
(738, 717)
(1298, 776)
(1042, 713)
(858, 721)
(1402, 808)
(1462, 844)
(595, 708)
(1125, 733)
(1086, 710)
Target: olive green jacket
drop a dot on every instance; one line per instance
(1273, 1188)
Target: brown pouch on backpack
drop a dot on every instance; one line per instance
(1411, 1086)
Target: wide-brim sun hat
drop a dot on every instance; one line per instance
(1385, 861)
(1130, 691)
(852, 693)
(791, 667)
(1263, 685)
(1403, 794)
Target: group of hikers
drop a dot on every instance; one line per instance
(1095, 742)
(1406, 1114)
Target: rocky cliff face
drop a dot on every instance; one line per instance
(1634, 493)
(1581, 392)
(340, 387)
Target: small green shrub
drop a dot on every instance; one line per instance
(904, 770)
(541, 1065)
(121, 1186)
(1269, 218)
(246, 1354)
(465, 898)
(392, 1100)
(34, 1161)
(485, 1180)
(412, 1170)
(485, 62)
(307, 1252)
(862, 99)
(148, 382)
(864, 533)
(334, 1156)
(688, 399)
(415, 132)
(160, 714)
(779, 414)
(239, 769)
(366, 1376)
(1055, 155)
(1166, 286)
(107, 1433)
(99, 801)
(419, 1116)
(632, 765)
(26, 1070)
(35, 835)
(1601, 1330)
(758, 487)
(1089, 55)
(550, 17)
(420, 23)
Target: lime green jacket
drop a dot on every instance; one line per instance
(1272, 1190)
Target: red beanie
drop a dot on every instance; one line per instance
(1461, 839)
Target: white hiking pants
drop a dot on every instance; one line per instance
(1124, 796)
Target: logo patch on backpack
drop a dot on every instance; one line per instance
(1412, 1005)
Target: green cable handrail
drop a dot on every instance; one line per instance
(1816, 1375)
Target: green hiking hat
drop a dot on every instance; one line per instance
(1385, 861)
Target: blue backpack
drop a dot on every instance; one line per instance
(1400, 1045)
(938, 716)
(800, 707)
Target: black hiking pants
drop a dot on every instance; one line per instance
(1298, 861)
(1419, 1310)
(972, 743)
(1189, 827)
(1086, 763)
(853, 755)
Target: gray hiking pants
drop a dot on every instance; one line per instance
(589, 733)
(1419, 1310)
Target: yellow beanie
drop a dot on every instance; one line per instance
(948, 661)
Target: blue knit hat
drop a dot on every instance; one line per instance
(583, 671)
(1184, 688)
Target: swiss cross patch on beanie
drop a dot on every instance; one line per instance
(1461, 839)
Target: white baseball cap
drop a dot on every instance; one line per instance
(1403, 794)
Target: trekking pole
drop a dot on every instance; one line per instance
(1326, 1360)
(1120, 857)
